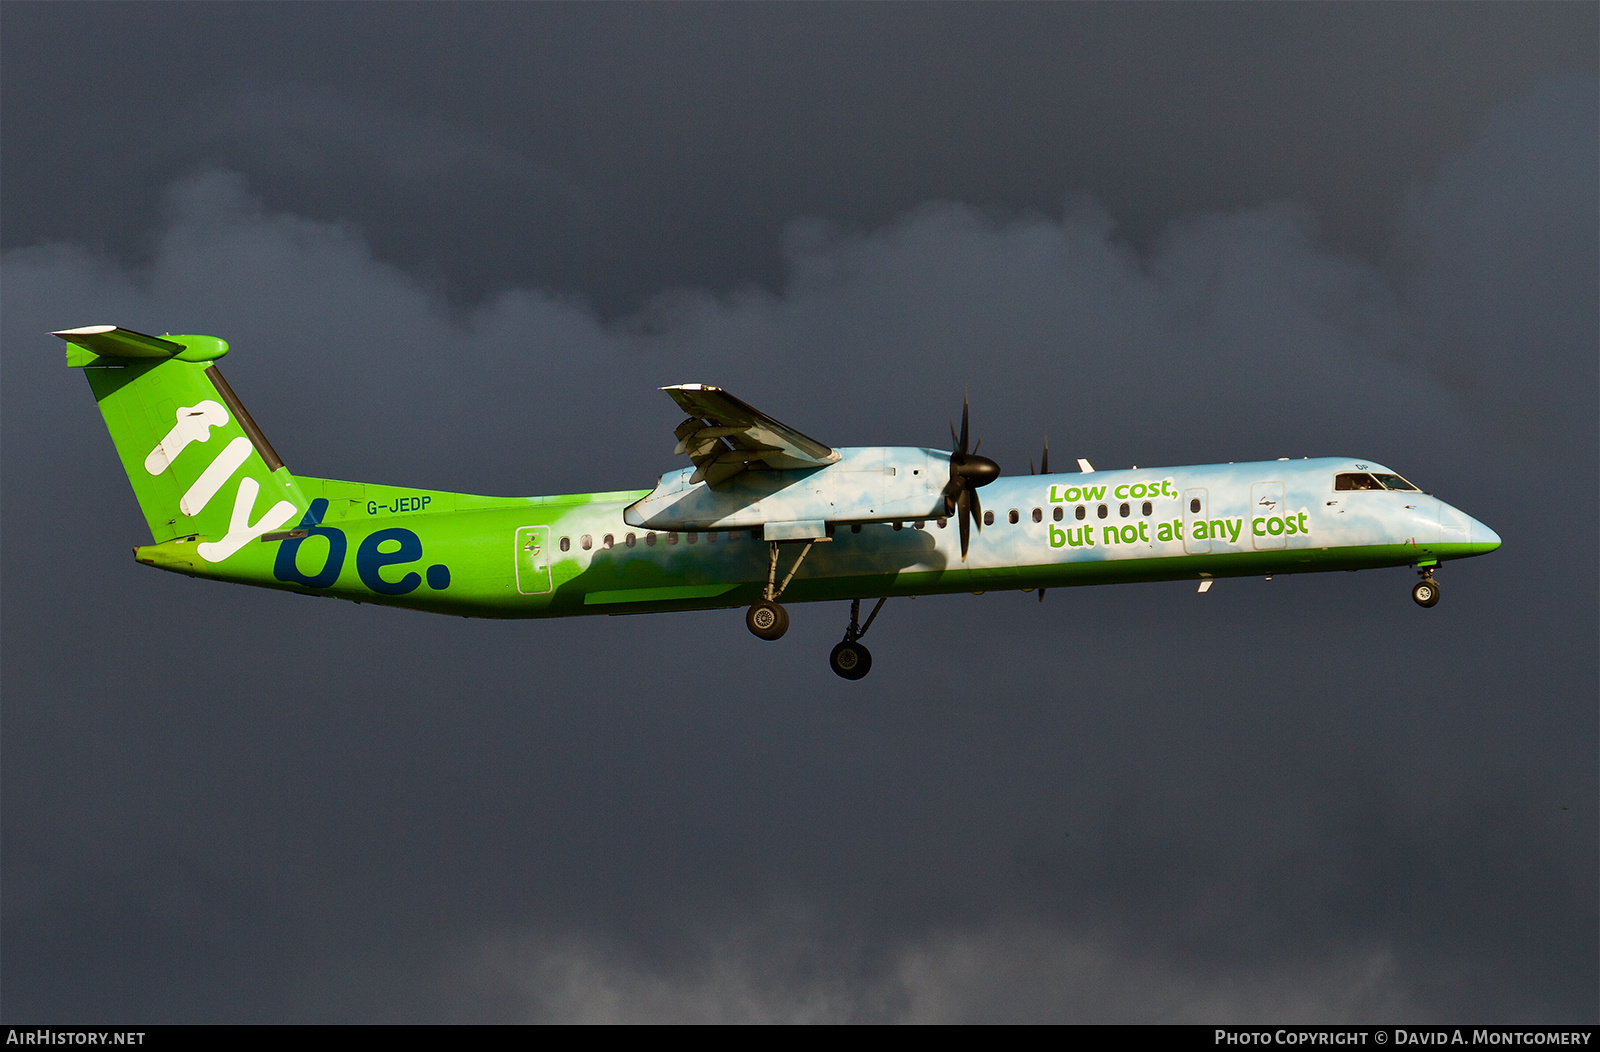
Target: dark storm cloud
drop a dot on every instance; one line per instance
(1297, 800)
(616, 150)
(1499, 262)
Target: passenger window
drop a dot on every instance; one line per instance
(1103, 511)
(1012, 518)
(586, 542)
(692, 536)
(1038, 516)
(941, 522)
(988, 518)
(1058, 514)
(631, 540)
(1123, 511)
(1194, 506)
(1147, 508)
(650, 540)
(672, 537)
(607, 542)
(899, 525)
(711, 538)
(566, 544)
(921, 524)
(856, 528)
(1355, 480)
(1081, 513)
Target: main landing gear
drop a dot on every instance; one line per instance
(1426, 591)
(765, 618)
(849, 658)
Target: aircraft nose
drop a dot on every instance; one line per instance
(1482, 538)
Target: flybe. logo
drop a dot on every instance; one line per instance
(383, 548)
(194, 424)
(377, 551)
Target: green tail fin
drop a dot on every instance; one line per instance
(198, 463)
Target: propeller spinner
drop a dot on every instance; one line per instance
(968, 471)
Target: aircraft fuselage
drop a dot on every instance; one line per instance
(576, 554)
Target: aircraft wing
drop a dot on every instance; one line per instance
(724, 436)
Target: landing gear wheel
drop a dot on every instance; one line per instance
(1425, 592)
(850, 660)
(767, 620)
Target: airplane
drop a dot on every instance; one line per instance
(760, 513)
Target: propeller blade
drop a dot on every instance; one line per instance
(977, 509)
(1041, 595)
(1044, 469)
(963, 449)
(1030, 467)
(964, 517)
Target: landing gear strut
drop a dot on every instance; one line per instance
(765, 618)
(849, 658)
(1425, 591)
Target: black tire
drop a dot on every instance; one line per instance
(1425, 592)
(850, 660)
(767, 620)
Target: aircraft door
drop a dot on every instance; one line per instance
(533, 560)
(1267, 529)
(1196, 506)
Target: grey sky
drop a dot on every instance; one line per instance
(461, 247)
(616, 150)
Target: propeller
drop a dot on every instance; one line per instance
(968, 471)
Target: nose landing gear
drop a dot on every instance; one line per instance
(849, 658)
(1426, 591)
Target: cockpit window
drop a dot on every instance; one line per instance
(1371, 480)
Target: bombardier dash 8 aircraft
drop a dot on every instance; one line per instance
(762, 513)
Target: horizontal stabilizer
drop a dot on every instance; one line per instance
(112, 341)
